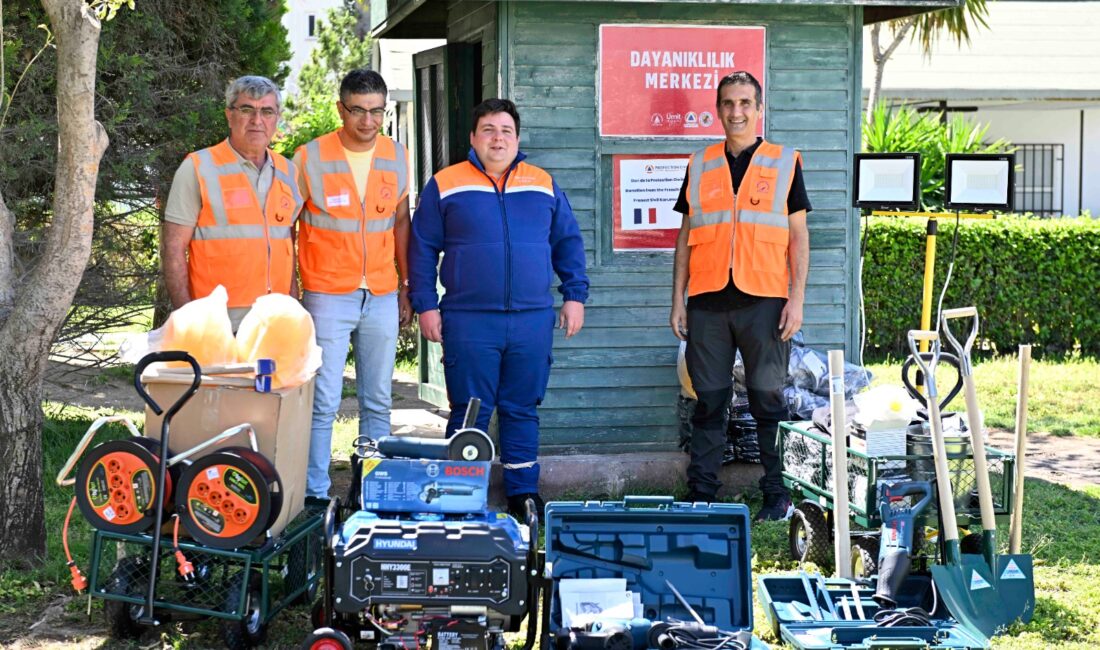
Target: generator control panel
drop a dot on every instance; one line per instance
(480, 560)
(487, 581)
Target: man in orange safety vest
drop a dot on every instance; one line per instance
(352, 245)
(741, 259)
(230, 214)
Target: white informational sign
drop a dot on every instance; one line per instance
(647, 189)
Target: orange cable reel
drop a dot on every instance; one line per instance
(228, 498)
(116, 485)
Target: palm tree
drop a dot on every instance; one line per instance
(927, 28)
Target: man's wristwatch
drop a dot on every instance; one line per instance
(403, 285)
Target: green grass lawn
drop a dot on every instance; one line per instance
(1063, 396)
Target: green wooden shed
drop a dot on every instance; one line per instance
(614, 385)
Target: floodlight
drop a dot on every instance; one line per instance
(980, 181)
(887, 181)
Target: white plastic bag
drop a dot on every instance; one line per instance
(885, 407)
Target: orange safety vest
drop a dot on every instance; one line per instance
(344, 241)
(237, 244)
(750, 241)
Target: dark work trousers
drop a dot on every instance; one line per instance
(502, 357)
(713, 337)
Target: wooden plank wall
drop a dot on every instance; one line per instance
(470, 21)
(614, 386)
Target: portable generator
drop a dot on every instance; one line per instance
(415, 558)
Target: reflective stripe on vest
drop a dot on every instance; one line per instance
(750, 240)
(236, 243)
(346, 240)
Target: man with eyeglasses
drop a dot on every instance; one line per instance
(353, 240)
(230, 213)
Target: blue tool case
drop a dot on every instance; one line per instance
(809, 612)
(680, 562)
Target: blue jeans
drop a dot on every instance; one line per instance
(370, 324)
(503, 358)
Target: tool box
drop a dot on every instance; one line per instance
(647, 572)
(809, 612)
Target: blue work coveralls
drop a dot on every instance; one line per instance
(502, 243)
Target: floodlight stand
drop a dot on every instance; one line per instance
(929, 265)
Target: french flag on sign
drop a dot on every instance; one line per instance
(638, 216)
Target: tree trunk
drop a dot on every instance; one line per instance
(22, 514)
(42, 299)
(7, 260)
(880, 57)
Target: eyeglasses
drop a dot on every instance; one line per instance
(249, 111)
(359, 113)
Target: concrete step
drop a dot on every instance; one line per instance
(614, 475)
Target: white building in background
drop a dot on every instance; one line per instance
(393, 59)
(1034, 77)
(301, 19)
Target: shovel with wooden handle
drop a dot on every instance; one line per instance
(1015, 534)
(966, 587)
(1012, 573)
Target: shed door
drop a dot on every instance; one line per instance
(447, 86)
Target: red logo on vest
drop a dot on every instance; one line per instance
(762, 187)
(386, 193)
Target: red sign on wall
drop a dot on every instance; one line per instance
(662, 80)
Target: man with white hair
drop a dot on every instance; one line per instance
(230, 213)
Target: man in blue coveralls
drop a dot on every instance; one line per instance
(504, 228)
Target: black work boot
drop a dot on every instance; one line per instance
(696, 496)
(517, 506)
(776, 507)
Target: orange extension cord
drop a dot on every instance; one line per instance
(187, 571)
(79, 582)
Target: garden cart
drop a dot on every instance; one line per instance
(145, 573)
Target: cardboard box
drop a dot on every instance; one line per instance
(281, 419)
(422, 485)
(880, 442)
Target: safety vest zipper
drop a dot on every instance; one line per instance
(267, 242)
(733, 234)
(263, 211)
(363, 228)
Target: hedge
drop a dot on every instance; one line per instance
(1033, 280)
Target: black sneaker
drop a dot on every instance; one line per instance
(517, 506)
(777, 507)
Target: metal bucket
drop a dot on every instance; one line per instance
(959, 459)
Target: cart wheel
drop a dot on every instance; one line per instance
(971, 544)
(303, 564)
(252, 629)
(809, 536)
(326, 638)
(130, 578)
(864, 557)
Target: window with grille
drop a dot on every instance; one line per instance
(1039, 179)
